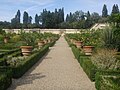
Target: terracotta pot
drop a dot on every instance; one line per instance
(6, 40)
(78, 44)
(26, 50)
(71, 40)
(41, 43)
(88, 50)
(49, 40)
(45, 41)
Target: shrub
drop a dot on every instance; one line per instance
(87, 65)
(105, 59)
(76, 52)
(109, 80)
(9, 52)
(15, 38)
(109, 39)
(5, 77)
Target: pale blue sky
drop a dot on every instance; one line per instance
(8, 8)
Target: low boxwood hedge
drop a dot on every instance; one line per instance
(9, 52)
(85, 63)
(68, 41)
(5, 77)
(107, 80)
(19, 70)
(89, 68)
(52, 43)
(76, 52)
(13, 54)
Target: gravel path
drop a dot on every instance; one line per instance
(57, 70)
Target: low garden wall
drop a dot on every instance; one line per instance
(54, 31)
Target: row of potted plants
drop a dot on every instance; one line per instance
(87, 41)
(27, 41)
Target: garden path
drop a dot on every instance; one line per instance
(57, 70)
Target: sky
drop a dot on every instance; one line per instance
(9, 8)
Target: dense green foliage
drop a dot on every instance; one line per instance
(107, 80)
(5, 77)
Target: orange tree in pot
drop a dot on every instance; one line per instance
(91, 40)
(6, 37)
(40, 42)
(78, 41)
(39, 39)
(29, 43)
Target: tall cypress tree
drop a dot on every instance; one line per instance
(36, 19)
(104, 11)
(115, 9)
(25, 19)
(30, 20)
(18, 16)
(88, 14)
(15, 22)
(67, 18)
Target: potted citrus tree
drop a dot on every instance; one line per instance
(6, 38)
(41, 42)
(29, 43)
(88, 43)
(78, 41)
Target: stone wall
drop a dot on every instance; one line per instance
(55, 31)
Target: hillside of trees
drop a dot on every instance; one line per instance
(57, 19)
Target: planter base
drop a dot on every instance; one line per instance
(88, 50)
(26, 50)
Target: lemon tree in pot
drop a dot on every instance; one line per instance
(6, 37)
(78, 41)
(39, 40)
(29, 43)
(91, 40)
(88, 43)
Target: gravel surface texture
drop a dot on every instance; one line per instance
(57, 70)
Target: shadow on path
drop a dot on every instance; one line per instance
(28, 77)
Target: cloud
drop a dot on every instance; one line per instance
(39, 3)
(31, 6)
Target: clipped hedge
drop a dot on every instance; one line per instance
(9, 52)
(19, 70)
(76, 52)
(5, 77)
(107, 80)
(52, 43)
(89, 68)
(68, 41)
(85, 63)
(13, 54)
